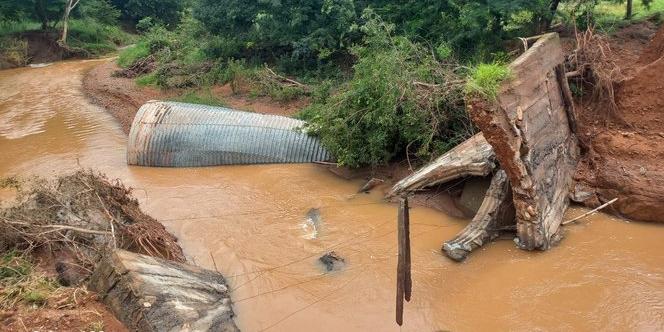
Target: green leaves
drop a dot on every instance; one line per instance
(381, 113)
(485, 79)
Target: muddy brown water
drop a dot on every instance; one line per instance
(251, 222)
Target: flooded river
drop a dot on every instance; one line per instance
(251, 223)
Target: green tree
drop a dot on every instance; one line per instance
(166, 12)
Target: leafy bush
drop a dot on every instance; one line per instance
(96, 38)
(131, 54)
(485, 79)
(101, 11)
(400, 100)
(165, 12)
(200, 96)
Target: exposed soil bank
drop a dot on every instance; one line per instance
(42, 47)
(626, 149)
(120, 96)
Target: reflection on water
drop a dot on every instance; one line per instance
(248, 222)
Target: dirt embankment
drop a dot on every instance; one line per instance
(122, 97)
(626, 149)
(39, 47)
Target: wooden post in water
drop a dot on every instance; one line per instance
(404, 280)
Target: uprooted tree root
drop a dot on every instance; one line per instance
(84, 214)
(594, 64)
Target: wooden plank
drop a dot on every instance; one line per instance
(408, 281)
(401, 272)
(496, 212)
(474, 157)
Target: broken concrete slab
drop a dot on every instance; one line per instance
(151, 294)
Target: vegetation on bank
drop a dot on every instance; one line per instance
(86, 28)
(385, 80)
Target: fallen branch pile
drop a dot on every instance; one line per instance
(84, 214)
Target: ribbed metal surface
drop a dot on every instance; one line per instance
(171, 134)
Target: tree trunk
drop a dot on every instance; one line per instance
(546, 22)
(628, 13)
(71, 4)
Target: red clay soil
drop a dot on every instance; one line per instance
(626, 150)
(91, 316)
(122, 97)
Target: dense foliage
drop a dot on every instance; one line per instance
(400, 100)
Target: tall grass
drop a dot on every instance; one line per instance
(8, 28)
(96, 38)
(609, 14)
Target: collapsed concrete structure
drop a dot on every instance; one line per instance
(529, 130)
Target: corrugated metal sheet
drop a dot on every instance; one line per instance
(171, 134)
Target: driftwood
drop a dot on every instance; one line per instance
(496, 212)
(404, 280)
(473, 157)
(528, 128)
(149, 294)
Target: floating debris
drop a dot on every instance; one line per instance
(332, 261)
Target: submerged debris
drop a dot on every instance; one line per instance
(373, 183)
(312, 223)
(332, 261)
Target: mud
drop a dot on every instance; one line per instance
(244, 222)
(89, 316)
(626, 149)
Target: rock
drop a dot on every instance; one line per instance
(151, 294)
(332, 261)
(472, 195)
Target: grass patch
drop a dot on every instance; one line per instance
(202, 97)
(96, 38)
(20, 284)
(485, 79)
(147, 80)
(129, 55)
(8, 28)
(610, 15)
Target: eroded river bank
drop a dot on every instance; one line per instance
(250, 221)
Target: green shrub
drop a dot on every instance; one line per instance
(96, 38)
(131, 54)
(101, 11)
(13, 266)
(147, 80)
(485, 79)
(384, 111)
(200, 96)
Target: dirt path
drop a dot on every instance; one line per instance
(626, 149)
(122, 97)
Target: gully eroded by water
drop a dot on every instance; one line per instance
(250, 223)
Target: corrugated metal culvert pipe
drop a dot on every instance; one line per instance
(171, 134)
